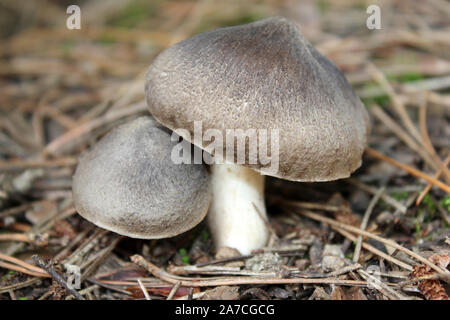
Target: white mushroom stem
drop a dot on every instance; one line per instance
(237, 214)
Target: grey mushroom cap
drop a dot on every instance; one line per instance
(128, 184)
(263, 75)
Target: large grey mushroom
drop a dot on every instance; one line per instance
(128, 184)
(265, 76)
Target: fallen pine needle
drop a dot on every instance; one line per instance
(14, 267)
(174, 290)
(76, 135)
(365, 221)
(427, 142)
(31, 164)
(22, 264)
(374, 250)
(375, 154)
(396, 102)
(188, 282)
(144, 291)
(388, 242)
(428, 187)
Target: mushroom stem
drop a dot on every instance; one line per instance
(237, 216)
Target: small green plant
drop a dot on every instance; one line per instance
(184, 255)
(382, 100)
(418, 230)
(445, 203)
(429, 204)
(400, 195)
(7, 275)
(406, 77)
(205, 235)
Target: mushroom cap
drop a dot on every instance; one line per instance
(263, 75)
(128, 184)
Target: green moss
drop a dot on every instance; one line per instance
(22, 298)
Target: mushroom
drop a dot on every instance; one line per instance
(264, 76)
(128, 184)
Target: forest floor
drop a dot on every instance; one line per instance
(381, 234)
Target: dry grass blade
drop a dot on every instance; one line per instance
(16, 165)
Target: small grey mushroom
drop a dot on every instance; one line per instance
(265, 76)
(129, 184)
